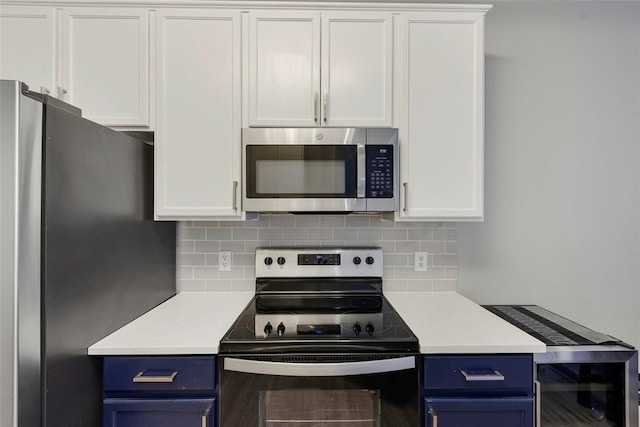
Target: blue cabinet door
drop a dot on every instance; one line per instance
(492, 412)
(159, 412)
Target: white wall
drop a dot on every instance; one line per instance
(562, 176)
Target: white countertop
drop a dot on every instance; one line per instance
(447, 322)
(188, 323)
(194, 323)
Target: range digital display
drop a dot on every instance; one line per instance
(319, 259)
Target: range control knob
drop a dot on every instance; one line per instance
(357, 329)
(268, 329)
(280, 329)
(281, 260)
(357, 260)
(369, 260)
(268, 260)
(369, 329)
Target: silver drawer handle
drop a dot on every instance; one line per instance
(205, 417)
(494, 376)
(142, 378)
(434, 417)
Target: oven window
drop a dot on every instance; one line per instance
(301, 171)
(584, 394)
(339, 408)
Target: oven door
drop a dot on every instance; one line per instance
(309, 390)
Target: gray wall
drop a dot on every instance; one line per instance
(562, 176)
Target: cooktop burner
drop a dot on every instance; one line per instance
(319, 300)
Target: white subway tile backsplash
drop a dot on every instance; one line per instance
(192, 259)
(394, 234)
(199, 233)
(219, 233)
(200, 242)
(206, 246)
(245, 234)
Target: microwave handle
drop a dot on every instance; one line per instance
(362, 171)
(319, 369)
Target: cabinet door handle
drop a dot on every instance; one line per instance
(316, 103)
(434, 417)
(44, 90)
(204, 418)
(485, 376)
(537, 408)
(405, 202)
(142, 378)
(62, 92)
(235, 195)
(325, 108)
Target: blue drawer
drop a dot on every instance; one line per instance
(479, 375)
(159, 374)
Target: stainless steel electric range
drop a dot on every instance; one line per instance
(319, 344)
(585, 378)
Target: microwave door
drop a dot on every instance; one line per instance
(288, 177)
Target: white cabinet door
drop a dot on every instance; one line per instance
(320, 69)
(441, 116)
(284, 68)
(197, 141)
(28, 46)
(105, 64)
(357, 59)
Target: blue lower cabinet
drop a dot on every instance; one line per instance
(159, 391)
(477, 412)
(134, 412)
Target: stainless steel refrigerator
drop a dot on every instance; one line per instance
(80, 254)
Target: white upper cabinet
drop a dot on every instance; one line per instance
(28, 46)
(320, 68)
(197, 141)
(105, 64)
(441, 116)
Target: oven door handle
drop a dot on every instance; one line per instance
(319, 369)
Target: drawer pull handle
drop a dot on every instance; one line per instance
(434, 417)
(205, 418)
(142, 378)
(485, 376)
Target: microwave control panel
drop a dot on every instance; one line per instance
(379, 171)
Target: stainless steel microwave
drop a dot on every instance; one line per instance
(320, 169)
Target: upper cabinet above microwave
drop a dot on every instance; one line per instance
(320, 69)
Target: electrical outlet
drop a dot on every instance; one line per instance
(224, 261)
(420, 261)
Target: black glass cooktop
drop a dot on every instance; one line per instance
(395, 335)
